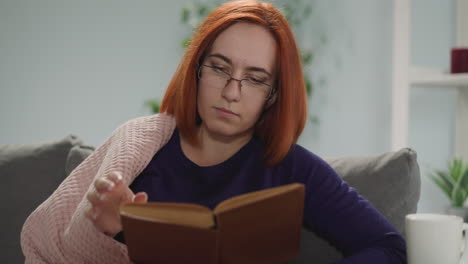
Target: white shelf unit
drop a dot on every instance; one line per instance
(405, 76)
(420, 76)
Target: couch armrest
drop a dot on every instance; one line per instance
(30, 173)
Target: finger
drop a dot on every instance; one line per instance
(115, 176)
(103, 184)
(92, 214)
(127, 195)
(93, 197)
(140, 197)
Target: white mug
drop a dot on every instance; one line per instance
(435, 239)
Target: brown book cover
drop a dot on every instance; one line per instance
(257, 227)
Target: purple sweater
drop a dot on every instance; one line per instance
(332, 209)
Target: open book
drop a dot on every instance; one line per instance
(257, 227)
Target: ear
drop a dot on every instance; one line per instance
(271, 100)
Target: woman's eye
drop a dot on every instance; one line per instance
(254, 80)
(219, 69)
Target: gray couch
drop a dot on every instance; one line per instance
(30, 173)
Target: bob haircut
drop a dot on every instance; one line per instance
(281, 124)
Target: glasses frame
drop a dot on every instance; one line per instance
(270, 92)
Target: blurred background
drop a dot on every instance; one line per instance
(85, 67)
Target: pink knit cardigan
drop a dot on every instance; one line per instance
(58, 231)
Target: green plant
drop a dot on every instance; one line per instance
(454, 182)
(154, 105)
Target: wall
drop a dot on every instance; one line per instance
(85, 67)
(352, 74)
(82, 67)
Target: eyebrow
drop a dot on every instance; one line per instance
(250, 68)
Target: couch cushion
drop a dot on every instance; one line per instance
(76, 155)
(30, 173)
(390, 181)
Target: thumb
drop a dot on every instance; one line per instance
(140, 197)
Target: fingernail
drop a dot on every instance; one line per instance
(119, 176)
(102, 197)
(110, 186)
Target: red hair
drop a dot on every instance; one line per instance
(281, 125)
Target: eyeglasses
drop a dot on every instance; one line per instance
(218, 77)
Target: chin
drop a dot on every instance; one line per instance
(224, 129)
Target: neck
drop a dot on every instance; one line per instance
(214, 148)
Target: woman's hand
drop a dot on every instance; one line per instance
(105, 199)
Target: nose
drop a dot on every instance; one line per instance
(232, 90)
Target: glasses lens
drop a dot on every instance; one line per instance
(250, 87)
(218, 78)
(214, 76)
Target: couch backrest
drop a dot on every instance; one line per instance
(390, 181)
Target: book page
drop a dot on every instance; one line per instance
(174, 213)
(247, 198)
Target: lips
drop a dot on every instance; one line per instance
(226, 111)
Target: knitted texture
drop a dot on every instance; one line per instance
(58, 231)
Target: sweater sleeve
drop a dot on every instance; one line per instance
(337, 213)
(58, 231)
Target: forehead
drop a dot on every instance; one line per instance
(247, 44)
